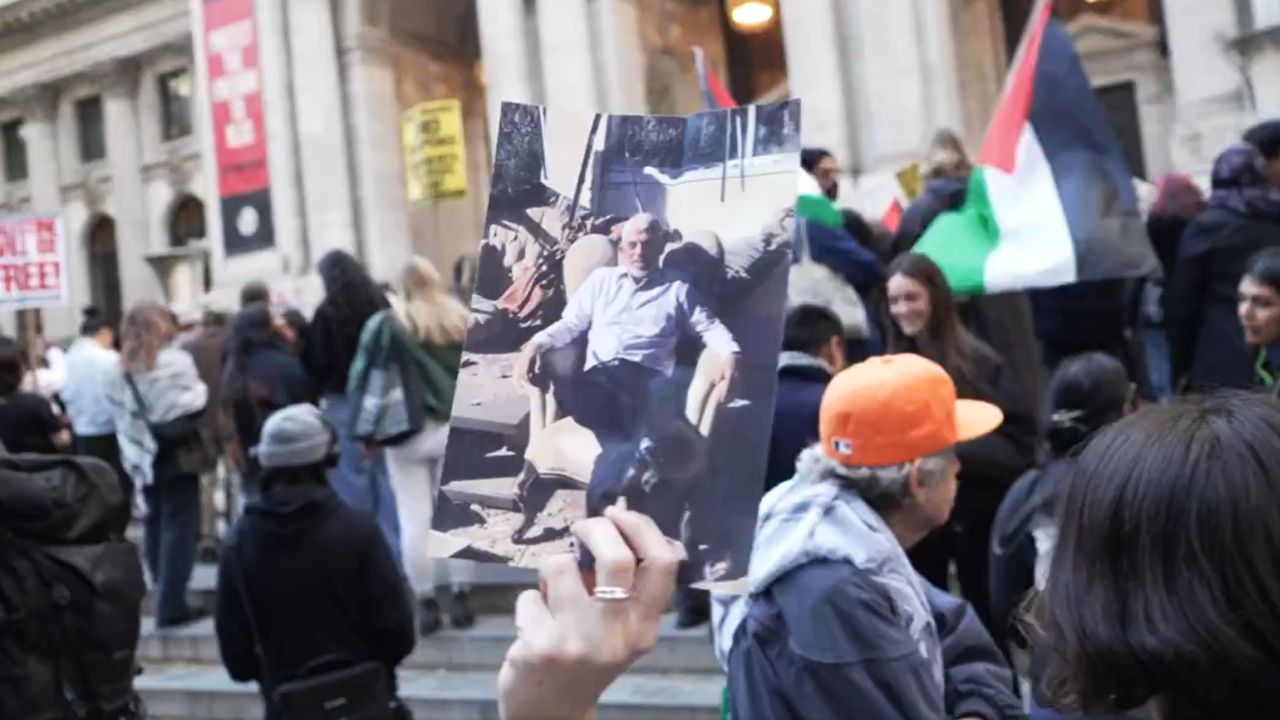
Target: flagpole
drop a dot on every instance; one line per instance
(1036, 13)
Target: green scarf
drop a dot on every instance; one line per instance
(437, 365)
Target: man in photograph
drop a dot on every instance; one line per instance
(632, 315)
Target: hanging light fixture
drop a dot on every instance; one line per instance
(750, 15)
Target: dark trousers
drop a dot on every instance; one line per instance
(613, 400)
(610, 399)
(966, 539)
(106, 449)
(172, 530)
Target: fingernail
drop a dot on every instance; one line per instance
(621, 503)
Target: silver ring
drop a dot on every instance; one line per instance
(607, 592)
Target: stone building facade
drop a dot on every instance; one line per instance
(105, 102)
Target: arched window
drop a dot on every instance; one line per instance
(186, 223)
(104, 269)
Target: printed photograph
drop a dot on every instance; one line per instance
(626, 318)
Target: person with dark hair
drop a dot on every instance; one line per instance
(812, 351)
(261, 376)
(1259, 311)
(1207, 347)
(255, 291)
(306, 578)
(92, 367)
(835, 622)
(1086, 393)
(295, 330)
(158, 384)
(350, 298)
(1162, 590)
(922, 319)
(1266, 137)
(1178, 201)
(821, 164)
(27, 421)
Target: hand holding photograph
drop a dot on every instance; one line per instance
(624, 331)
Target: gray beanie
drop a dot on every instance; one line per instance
(294, 436)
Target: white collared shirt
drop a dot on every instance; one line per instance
(639, 320)
(91, 371)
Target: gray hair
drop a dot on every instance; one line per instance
(643, 222)
(883, 487)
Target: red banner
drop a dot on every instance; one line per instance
(33, 261)
(240, 141)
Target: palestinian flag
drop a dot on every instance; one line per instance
(714, 94)
(814, 206)
(1051, 201)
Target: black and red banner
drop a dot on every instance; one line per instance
(240, 141)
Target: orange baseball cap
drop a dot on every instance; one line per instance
(894, 409)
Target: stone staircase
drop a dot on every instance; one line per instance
(449, 676)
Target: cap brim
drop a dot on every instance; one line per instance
(975, 418)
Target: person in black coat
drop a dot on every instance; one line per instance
(1086, 393)
(320, 582)
(1207, 346)
(1266, 137)
(923, 320)
(262, 375)
(812, 350)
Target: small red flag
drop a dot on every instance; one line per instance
(892, 217)
(714, 94)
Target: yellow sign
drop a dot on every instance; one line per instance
(435, 155)
(910, 181)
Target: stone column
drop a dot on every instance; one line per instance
(287, 214)
(940, 63)
(128, 199)
(568, 63)
(818, 74)
(40, 137)
(1208, 88)
(621, 55)
(320, 118)
(375, 144)
(508, 49)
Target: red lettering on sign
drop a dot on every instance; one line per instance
(8, 243)
(46, 237)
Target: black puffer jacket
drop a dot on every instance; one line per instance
(1206, 343)
(990, 464)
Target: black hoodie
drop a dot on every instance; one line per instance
(321, 581)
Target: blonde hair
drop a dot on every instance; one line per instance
(146, 329)
(430, 312)
(946, 157)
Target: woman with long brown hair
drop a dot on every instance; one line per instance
(157, 393)
(923, 319)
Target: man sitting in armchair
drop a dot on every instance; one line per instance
(632, 316)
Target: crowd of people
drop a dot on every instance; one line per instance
(331, 547)
(1049, 504)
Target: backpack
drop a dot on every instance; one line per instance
(71, 590)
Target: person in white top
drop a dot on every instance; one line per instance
(92, 365)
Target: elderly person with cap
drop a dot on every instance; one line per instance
(632, 316)
(835, 620)
(306, 577)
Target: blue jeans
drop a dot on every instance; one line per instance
(172, 530)
(1155, 346)
(361, 480)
